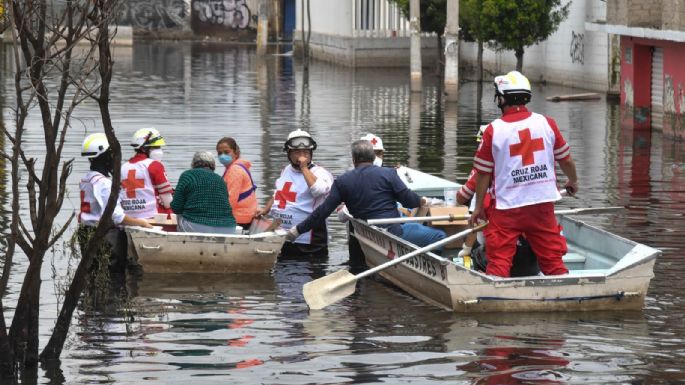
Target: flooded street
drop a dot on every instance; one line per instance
(258, 329)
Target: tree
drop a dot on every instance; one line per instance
(62, 58)
(470, 20)
(516, 24)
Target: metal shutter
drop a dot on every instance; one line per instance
(657, 87)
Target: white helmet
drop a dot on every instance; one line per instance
(299, 139)
(375, 141)
(514, 87)
(147, 137)
(94, 145)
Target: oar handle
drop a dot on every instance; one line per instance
(388, 221)
(422, 250)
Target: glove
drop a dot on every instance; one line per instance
(292, 234)
(343, 214)
(465, 250)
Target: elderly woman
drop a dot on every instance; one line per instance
(201, 199)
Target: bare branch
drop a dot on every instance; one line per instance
(66, 171)
(62, 230)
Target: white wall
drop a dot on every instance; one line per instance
(571, 56)
(331, 17)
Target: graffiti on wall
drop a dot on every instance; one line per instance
(152, 14)
(228, 13)
(577, 48)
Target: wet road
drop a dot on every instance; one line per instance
(258, 329)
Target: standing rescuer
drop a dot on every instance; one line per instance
(518, 155)
(95, 187)
(300, 189)
(145, 189)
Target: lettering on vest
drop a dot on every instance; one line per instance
(528, 174)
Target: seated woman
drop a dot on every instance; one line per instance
(201, 199)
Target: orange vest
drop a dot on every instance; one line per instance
(241, 194)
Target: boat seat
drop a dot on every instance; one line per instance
(572, 257)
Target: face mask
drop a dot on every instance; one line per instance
(378, 162)
(225, 159)
(156, 154)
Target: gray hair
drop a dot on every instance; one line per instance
(203, 159)
(362, 151)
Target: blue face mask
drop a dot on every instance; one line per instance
(225, 159)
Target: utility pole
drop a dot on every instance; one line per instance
(452, 51)
(415, 45)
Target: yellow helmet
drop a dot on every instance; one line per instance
(94, 145)
(147, 137)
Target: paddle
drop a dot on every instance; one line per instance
(324, 291)
(452, 218)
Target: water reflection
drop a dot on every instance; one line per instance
(244, 329)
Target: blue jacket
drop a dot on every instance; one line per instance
(369, 192)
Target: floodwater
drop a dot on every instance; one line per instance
(257, 329)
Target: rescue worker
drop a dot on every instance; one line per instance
(518, 155)
(145, 189)
(238, 179)
(372, 192)
(301, 188)
(95, 187)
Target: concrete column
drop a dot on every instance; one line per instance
(452, 51)
(262, 27)
(415, 47)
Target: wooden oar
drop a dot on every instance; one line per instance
(324, 291)
(452, 218)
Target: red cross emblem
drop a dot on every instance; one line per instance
(527, 147)
(131, 184)
(374, 141)
(284, 196)
(85, 206)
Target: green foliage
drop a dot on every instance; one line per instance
(470, 20)
(433, 14)
(515, 24)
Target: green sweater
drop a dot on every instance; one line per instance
(201, 197)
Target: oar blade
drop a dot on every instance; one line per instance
(327, 290)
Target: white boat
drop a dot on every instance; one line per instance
(425, 184)
(606, 272)
(159, 251)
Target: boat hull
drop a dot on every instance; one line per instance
(159, 251)
(448, 285)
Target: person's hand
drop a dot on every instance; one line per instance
(571, 187)
(259, 212)
(476, 216)
(292, 234)
(465, 250)
(302, 161)
(144, 223)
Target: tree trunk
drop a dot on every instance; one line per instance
(519, 59)
(24, 330)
